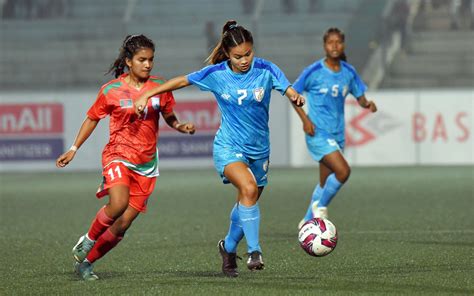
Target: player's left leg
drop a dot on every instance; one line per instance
(324, 172)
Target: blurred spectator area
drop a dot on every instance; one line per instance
(48, 44)
(438, 50)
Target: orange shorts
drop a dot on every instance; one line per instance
(140, 186)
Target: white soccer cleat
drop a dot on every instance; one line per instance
(319, 212)
(82, 248)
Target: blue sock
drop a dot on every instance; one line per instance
(250, 220)
(331, 187)
(316, 196)
(235, 233)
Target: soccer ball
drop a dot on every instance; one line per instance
(318, 237)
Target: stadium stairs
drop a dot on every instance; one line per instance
(76, 49)
(435, 55)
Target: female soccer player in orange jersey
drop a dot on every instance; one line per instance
(130, 159)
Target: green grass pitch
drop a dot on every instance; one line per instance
(402, 231)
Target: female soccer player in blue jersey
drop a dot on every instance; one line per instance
(242, 85)
(327, 83)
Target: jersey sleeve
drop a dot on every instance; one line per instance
(202, 78)
(300, 83)
(100, 109)
(357, 86)
(167, 102)
(279, 80)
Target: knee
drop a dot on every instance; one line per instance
(121, 226)
(343, 175)
(116, 210)
(249, 191)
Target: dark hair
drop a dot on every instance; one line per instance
(131, 44)
(232, 35)
(330, 31)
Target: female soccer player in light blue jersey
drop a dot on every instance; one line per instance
(327, 82)
(242, 85)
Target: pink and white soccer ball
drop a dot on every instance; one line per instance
(318, 237)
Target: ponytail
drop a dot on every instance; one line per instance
(232, 36)
(130, 45)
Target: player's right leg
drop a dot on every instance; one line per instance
(318, 146)
(240, 175)
(324, 172)
(114, 184)
(338, 164)
(229, 260)
(105, 217)
(114, 235)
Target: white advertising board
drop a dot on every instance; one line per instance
(410, 128)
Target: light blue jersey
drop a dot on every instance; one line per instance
(326, 92)
(243, 100)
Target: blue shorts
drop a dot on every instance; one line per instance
(322, 144)
(225, 156)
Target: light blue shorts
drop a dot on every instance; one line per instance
(322, 144)
(225, 156)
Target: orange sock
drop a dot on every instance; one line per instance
(100, 224)
(106, 242)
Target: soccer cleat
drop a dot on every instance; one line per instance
(314, 205)
(255, 261)
(82, 248)
(84, 270)
(229, 261)
(319, 212)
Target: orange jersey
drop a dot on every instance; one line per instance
(132, 139)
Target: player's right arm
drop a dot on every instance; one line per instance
(87, 127)
(308, 125)
(170, 85)
(300, 86)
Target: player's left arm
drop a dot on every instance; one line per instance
(183, 127)
(364, 103)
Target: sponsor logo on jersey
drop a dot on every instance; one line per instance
(258, 94)
(225, 96)
(126, 103)
(323, 91)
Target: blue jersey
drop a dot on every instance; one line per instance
(244, 100)
(326, 92)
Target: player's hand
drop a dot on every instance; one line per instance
(371, 105)
(140, 105)
(186, 128)
(298, 100)
(309, 128)
(65, 158)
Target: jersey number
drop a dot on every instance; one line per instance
(111, 173)
(243, 95)
(335, 90)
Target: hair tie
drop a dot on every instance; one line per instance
(233, 26)
(130, 38)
